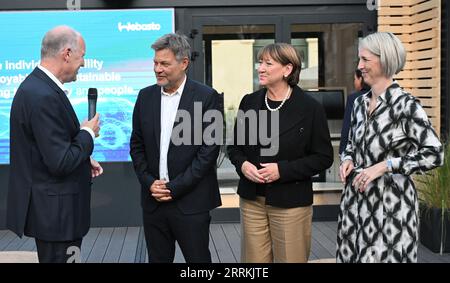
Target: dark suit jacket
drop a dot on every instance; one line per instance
(304, 150)
(50, 175)
(192, 173)
(347, 117)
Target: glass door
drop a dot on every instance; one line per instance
(225, 50)
(225, 45)
(329, 54)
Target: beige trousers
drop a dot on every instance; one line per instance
(273, 234)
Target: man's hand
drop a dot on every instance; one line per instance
(159, 191)
(96, 168)
(93, 124)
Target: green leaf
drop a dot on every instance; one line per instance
(434, 187)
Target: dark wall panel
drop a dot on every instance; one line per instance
(4, 172)
(115, 197)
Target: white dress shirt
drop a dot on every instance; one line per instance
(169, 107)
(60, 85)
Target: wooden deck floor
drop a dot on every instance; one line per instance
(127, 245)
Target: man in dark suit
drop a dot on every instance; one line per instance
(360, 88)
(51, 168)
(178, 180)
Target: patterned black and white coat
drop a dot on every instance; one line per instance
(381, 223)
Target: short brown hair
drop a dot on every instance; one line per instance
(284, 54)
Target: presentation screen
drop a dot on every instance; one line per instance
(118, 62)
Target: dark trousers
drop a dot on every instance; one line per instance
(58, 252)
(167, 224)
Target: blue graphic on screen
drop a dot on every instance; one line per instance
(118, 62)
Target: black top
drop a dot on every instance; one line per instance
(304, 149)
(261, 190)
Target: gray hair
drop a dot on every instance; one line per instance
(58, 38)
(390, 50)
(177, 43)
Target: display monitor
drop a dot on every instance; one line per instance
(118, 62)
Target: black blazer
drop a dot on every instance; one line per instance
(192, 173)
(50, 174)
(304, 150)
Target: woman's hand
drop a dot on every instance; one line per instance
(251, 172)
(269, 172)
(345, 169)
(363, 179)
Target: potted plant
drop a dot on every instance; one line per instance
(434, 200)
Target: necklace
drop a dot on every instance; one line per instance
(282, 102)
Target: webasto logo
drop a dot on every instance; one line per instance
(137, 26)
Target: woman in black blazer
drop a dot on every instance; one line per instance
(275, 186)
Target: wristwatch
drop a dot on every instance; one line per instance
(389, 165)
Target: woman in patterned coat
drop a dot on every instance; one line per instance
(390, 138)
